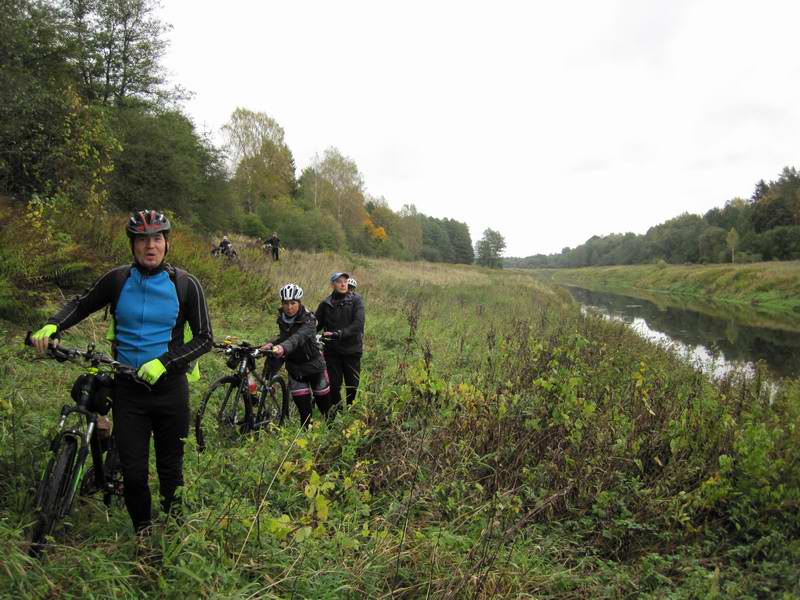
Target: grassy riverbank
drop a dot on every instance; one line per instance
(770, 288)
(503, 446)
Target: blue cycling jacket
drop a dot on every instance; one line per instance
(147, 310)
(149, 319)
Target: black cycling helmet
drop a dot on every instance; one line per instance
(147, 222)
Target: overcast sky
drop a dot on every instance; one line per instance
(548, 121)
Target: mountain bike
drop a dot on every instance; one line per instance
(231, 253)
(77, 436)
(243, 402)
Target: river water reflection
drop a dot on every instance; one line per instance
(715, 342)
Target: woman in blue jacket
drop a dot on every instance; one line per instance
(151, 303)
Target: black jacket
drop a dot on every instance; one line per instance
(345, 316)
(301, 352)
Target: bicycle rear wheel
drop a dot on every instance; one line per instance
(52, 493)
(273, 403)
(217, 420)
(112, 474)
(113, 469)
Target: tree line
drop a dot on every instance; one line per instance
(765, 226)
(87, 117)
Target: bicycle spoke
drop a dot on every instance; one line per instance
(273, 404)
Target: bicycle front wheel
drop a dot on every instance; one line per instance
(217, 420)
(52, 493)
(273, 403)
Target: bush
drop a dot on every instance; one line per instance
(254, 227)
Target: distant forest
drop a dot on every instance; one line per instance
(764, 227)
(87, 118)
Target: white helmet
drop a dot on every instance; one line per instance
(352, 283)
(291, 291)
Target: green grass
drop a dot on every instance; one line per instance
(502, 445)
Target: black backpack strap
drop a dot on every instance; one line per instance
(120, 277)
(181, 280)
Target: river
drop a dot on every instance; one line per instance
(713, 339)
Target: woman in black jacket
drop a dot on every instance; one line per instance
(341, 318)
(296, 344)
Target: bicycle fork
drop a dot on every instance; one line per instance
(84, 442)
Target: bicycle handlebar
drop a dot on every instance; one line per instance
(328, 338)
(62, 354)
(253, 351)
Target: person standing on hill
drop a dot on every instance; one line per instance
(275, 244)
(340, 316)
(151, 303)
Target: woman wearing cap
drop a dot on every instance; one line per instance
(341, 318)
(304, 363)
(151, 301)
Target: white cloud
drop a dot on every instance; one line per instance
(549, 122)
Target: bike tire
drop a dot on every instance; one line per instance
(53, 490)
(113, 468)
(217, 420)
(273, 403)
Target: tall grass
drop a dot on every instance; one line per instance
(502, 445)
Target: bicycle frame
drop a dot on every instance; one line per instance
(246, 366)
(76, 436)
(86, 438)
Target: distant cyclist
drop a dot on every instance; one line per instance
(340, 316)
(225, 246)
(274, 243)
(151, 302)
(296, 343)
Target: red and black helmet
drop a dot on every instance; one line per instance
(147, 222)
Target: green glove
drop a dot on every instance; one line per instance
(43, 335)
(151, 371)
(45, 332)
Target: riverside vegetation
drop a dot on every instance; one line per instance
(503, 445)
(764, 227)
(767, 290)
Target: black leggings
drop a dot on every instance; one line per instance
(138, 413)
(345, 367)
(302, 390)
